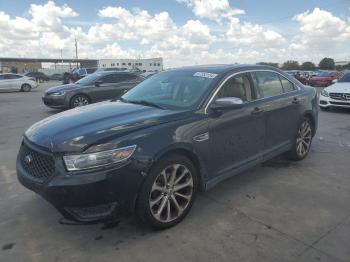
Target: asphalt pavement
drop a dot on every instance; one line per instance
(278, 211)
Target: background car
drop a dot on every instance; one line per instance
(39, 76)
(324, 79)
(336, 95)
(58, 77)
(90, 89)
(17, 82)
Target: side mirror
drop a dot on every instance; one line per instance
(98, 83)
(227, 103)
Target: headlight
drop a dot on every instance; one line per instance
(98, 159)
(324, 93)
(59, 93)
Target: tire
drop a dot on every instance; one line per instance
(26, 88)
(79, 100)
(160, 205)
(302, 141)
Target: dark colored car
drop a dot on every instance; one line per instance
(90, 89)
(39, 76)
(175, 133)
(324, 79)
(58, 77)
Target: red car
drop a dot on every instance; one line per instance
(324, 79)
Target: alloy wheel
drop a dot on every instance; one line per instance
(171, 193)
(80, 101)
(304, 139)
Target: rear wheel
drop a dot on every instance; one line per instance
(302, 141)
(26, 88)
(79, 100)
(168, 192)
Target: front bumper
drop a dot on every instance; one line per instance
(85, 196)
(54, 101)
(326, 102)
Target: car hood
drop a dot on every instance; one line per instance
(74, 130)
(339, 88)
(62, 88)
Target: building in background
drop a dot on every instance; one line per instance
(342, 63)
(144, 65)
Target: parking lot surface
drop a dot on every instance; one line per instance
(278, 211)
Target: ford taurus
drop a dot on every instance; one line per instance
(177, 132)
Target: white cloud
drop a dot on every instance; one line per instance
(48, 17)
(123, 33)
(320, 28)
(248, 34)
(212, 9)
(197, 32)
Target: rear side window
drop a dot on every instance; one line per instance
(287, 85)
(267, 84)
(112, 78)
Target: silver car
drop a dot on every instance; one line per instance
(15, 82)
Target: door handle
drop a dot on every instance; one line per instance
(257, 111)
(295, 100)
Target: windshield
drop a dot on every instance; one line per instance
(345, 78)
(89, 79)
(172, 89)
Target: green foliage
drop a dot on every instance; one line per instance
(327, 64)
(268, 64)
(308, 66)
(290, 65)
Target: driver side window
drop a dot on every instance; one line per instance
(237, 86)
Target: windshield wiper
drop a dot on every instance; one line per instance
(143, 102)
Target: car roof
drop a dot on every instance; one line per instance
(225, 68)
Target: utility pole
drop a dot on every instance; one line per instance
(76, 50)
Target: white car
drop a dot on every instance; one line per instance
(336, 95)
(17, 82)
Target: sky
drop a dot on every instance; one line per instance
(183, 32)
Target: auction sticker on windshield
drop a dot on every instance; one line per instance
(205, 74)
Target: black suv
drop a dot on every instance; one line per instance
(93, 88)
(175, 133)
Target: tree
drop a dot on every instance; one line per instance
(327, 63)
(268, 64)
(308, 66)
(290, 65)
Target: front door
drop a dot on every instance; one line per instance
(236, 135)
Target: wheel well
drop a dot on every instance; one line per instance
(193, 158)
(312, 119)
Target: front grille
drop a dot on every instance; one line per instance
(339, 96)
(340, 103)
(38, 165)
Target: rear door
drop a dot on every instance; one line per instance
(280, 102)
(236, 136)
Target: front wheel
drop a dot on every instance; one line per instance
(79, 100)
(168, 192)
(302, 141)
(26, 88)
